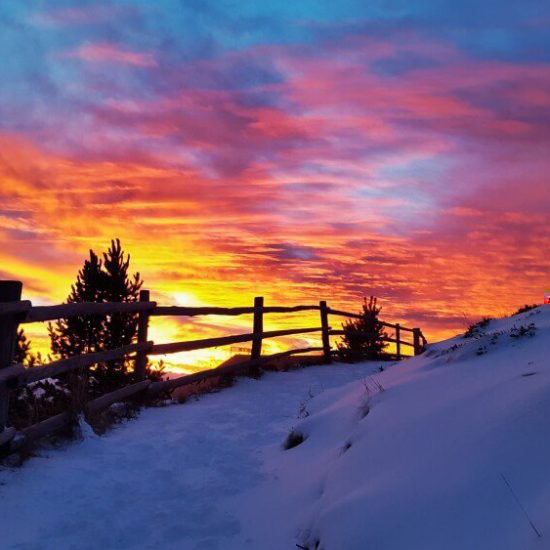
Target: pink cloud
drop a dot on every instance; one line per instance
(105, 52)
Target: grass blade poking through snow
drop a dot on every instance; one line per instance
(521, 506)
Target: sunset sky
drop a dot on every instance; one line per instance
(294, 150)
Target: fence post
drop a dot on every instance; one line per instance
(140, 365)
(398, 338)
(10, 291)
(417, 344)
(325, 333)
(258, 328)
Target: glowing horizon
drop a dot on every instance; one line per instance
(305, 152)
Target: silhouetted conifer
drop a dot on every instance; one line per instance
(23, 353)
(100, 280)
(364, 337)
(22, 347)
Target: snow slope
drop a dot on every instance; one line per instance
(426, 464)
(445, 451)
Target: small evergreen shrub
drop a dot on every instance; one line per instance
(525, 308)
(523, 330)
(364, 338)
(476, 330)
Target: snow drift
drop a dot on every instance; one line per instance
(449, 450)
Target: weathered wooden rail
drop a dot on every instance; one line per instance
(14, 311)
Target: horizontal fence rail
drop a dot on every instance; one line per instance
(14, 311)
(11, 308)
(359, 333)
(66, 311)
(359, 316)
(34, 314)
(17, 375)
(234, 369)
(193, 311)
(176, 347)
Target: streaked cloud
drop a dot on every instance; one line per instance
(105, 52)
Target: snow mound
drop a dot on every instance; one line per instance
(448, 450)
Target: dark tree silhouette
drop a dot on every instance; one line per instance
(23, 353)
(100, 280)
(364, 337)
(22, 347)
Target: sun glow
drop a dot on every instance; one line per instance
(169, 329)
(188, 299)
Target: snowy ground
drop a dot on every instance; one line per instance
(447, 451)
(167, 480)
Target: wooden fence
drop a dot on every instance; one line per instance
(14, 311)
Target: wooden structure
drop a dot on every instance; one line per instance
(14, 311)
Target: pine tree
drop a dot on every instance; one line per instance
(100, 280)
(23, 353)
(364, 337)
(22, 347)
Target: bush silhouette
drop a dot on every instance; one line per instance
(36, 401)
(364, 338)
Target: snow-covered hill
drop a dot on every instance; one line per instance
(450, 450)
(446, 451)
